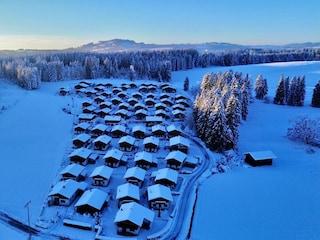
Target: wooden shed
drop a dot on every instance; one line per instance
(259, 158)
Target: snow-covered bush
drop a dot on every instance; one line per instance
(305, 130)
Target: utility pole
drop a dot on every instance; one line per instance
(28, 211)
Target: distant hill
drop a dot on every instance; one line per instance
(123, 45)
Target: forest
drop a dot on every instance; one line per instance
(29, 71)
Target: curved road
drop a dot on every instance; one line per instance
(181, 215)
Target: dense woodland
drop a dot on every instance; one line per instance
(30, 71)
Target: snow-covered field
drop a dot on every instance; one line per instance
(275, 202)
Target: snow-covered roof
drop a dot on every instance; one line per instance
(158, 127)
(90, 108)
(260, 155)
(127, 139)
(151, 139)
(154, 119)
(167, 173)
(136, 172)
(73, 169)
(81, 152)
(122, 112)
(160, 112)
(178, 111)
(102, 127)
(160, 104)
(112, 118)
(141, 111)
(114, 153)
(178, 106)
(176, 155)
(92, 197)
(118, 127)
(143, 156)
(83, 125)
(135, 213)
(83, 137)
(86, 116)
(67, 188)
(172, 128)
(159, 191)
(128, 190)
(140, 128)
(106, 103)
(102, 171)
(103, 138)
(179, 140)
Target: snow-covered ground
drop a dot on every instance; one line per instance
(276, 202)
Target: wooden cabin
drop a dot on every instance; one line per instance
(101, 176)
(92, 201)
(126, 193)
(259, 158)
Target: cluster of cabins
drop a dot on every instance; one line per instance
(127, 126)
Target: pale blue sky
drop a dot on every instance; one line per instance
(47, 24)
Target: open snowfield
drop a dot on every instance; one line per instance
(274, 202)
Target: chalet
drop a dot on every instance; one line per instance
(150, 95)
(151, 144)
(90, 92)
(113, 158)
(159, 197)
(82, 128)
(112, 120)
(162, 113)
(180, 97)
(152, 88)
(133, 85)
(64, 192)
(153, 120)
(158, 130)
(105, 104)
(89, 109)
(126, 193)
(143, 160)
(80, 155)
(183, 102)
(175, 159)
(143, 89)
(124, 86)
(164, 85)
(73, 171)
(107, 94)
(64, 91)
(139, 106)
(131, 217)
(164, 96)
(124, 106)
(169, 89)
(116, 90)
(86, 117)
(81, 140)
(92, 201)
(139, 131)
(141, 114)
(103, 112)
(150, 102)
(123, 113)
(108, 85)
(178, 114)
(160, 106)
(122, 95)
(99, 88)
(101, 175)
(191, 162)
(102, 142)
(173, 130)
(137, 95)
(135, 175)
(81, 86)
(119, 131)
(259, 158)
(178, 106)
(99, 99)
(99, 129)
(132, 101)
(116, 101)
(167, 177)
(127, 143)
(179, 143)
(167, 102)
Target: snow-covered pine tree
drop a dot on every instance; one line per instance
(280, 92)
(260, 87)
(315, 102)
(233, 114)
(286, 89)
(301, 90)
(186, 84)
(245, 96)
(292, 91)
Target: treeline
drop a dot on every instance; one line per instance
(29, 71)
(219, 108)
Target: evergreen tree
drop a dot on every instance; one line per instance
(286, 89)
(186, 84)
(301, 90)
(315, 102)
(261, 87)
(292, 92)
(233, 115)
(280, 92)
